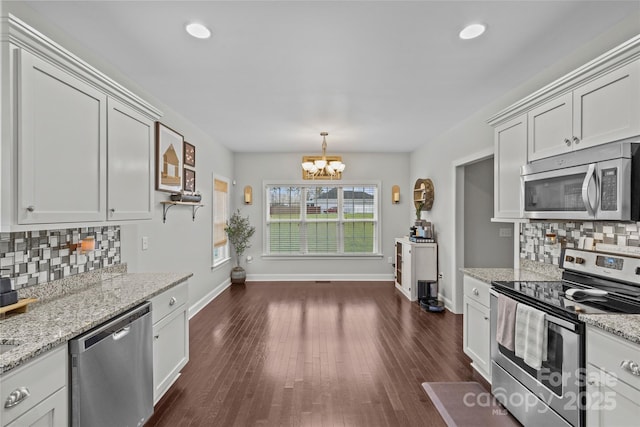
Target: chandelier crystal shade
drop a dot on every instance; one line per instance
(322, 167)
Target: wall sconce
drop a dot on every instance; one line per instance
(248, 195)
(395, 194)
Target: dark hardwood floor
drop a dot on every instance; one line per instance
(314, 354)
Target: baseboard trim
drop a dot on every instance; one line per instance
(199, 305)
(323, 277)
(448, 304)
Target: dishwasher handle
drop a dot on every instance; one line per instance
(121, 333)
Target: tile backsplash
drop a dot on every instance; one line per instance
(573, 234)
(37, 257)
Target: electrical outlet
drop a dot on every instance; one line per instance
(440, 276)
(506, 232)
(390, 260)
(145, 243)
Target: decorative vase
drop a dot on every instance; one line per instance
(238, 275)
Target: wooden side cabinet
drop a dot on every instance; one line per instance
(414, 261)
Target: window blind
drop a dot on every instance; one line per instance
(220, 190)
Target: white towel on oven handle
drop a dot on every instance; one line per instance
(531, 335)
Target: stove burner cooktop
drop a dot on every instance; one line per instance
(552, 295)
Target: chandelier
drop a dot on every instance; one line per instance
(322, 167)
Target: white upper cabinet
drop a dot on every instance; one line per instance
(608, 109)
(130, 163)
(603, 110)
(61, 145)
(550, 128)
(77, 147)
(509, 155)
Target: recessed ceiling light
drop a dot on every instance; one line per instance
(198, 31)
(472, 31)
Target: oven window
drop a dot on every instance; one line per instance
(551, 373)
(562, 193)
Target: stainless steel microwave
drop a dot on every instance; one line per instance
(600, 183)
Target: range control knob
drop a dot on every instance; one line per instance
(569, 258)
(579, 260)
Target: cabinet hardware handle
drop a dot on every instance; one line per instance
(475, 291)
(31, 208)
(568, 142)
(591, 382)
(17, 396)
(156, 336)
(486, 318)
(631, 366)
(172, 301)
(112, 210)
(576, 140)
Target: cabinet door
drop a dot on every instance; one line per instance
(550, 128)
(608, 108)
(510, 154)
(610, 402)
(129, 163)
(61, 146)
(51, 412)
(170, 350)
(476, 335)
(398, 255)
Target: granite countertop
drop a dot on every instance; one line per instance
(626, 326)
(489, 275)
(54, 322)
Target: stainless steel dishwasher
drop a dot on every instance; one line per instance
(112, 372)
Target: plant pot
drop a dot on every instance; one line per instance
(238, 276)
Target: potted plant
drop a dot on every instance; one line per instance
(419, 206)
(239, 231)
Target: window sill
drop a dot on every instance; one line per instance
(219, 263)
(289, 257)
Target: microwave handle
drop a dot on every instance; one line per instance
(591, 174)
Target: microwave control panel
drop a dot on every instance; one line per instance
(609, 189)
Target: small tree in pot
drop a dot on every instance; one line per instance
(239, 231)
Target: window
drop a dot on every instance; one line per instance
(322, 220)
(220, 218)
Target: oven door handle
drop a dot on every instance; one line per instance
(591, 174)
(573, 327)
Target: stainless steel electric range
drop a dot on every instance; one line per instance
(592, 283)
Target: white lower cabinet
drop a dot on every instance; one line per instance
(170, 337)
(476, 325)
(39, 392)
(613, 391)
(51, 412)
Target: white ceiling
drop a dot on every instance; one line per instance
(378, 76)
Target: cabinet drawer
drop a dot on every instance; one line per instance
(476, 290)
(607, 352)
(169, 301)
(41, 377)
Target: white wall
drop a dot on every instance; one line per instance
(181, 244)
(436, 157)
(388, 168)
(483, 246)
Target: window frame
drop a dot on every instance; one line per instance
(340, 220)
(226, 256)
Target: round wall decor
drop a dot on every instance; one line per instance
(423, 193)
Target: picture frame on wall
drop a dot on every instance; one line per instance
(189, 180)
(169, 156)
(189, 155)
